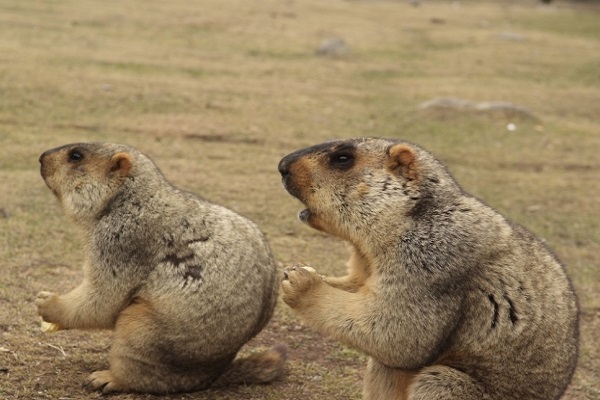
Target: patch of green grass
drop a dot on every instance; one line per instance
(566, 23)
(587, 73)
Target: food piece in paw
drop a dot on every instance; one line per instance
(48, 327)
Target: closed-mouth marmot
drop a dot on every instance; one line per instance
(183, 282)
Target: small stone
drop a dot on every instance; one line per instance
(510, 36)
(333, 46)
(450, 103)
(447, 106)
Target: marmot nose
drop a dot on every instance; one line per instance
(43, 155)
(283, 166)
(54, 150)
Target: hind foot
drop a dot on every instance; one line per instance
(103, 381)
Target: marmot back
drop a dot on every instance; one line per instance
(448, 298)
(183, 282)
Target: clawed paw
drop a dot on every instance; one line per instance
(43, 296)
(103, 381)
(297, 281)
(46, 303)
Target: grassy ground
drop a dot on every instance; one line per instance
(218, 91)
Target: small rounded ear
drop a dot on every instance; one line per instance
(121, 163)
(403, 160)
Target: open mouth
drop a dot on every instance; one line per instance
(304, 215)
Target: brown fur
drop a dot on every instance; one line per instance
(447, 298)
(183, 283)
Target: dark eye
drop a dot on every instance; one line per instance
(75, 155)
(341, 160)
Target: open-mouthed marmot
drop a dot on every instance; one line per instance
(183, 282)
(448, 298)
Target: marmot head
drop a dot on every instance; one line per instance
(85, 176)
(352, 186)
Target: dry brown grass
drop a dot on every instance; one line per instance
(218, 91)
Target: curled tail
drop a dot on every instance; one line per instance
(261, 367)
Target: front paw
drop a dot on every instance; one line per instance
(48, 306)
(298, 281)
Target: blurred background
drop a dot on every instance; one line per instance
(506, 93)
